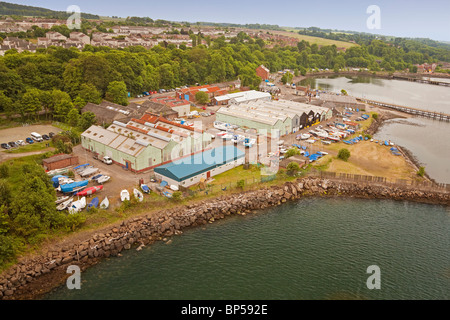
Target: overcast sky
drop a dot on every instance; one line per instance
(403, 18)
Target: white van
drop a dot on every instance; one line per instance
(36, 137)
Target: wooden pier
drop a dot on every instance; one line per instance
(422, 80)
(414, 111)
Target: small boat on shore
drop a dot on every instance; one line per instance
(72, 187)
(103, 179)
(77, 206)
(105, 204)
(145, 188)
(124, 195)
(63, 206)
(89, 191)
(138, 195)
(93, 203)
(61, 199)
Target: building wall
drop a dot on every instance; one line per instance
(195, 180)
(61, 164)
(183, 110)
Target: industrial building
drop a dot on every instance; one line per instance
(142, 144)
(202, 166)
(107, 112)
(265, 116)
(242, 97)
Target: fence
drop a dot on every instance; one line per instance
(381, 180)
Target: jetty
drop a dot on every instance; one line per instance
(422, 80)
(414, 111)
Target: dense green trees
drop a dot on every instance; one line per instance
(27, 210)
(117, 93)
(57, 80)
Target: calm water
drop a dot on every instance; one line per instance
(426, 139)
(312, 249)
(411, 94)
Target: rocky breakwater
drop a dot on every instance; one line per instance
(33, 277)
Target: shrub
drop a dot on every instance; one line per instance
(375, 116)
(344, 154)
(241, 184)
(292, 152)
(421, 171)
(4, 171)
(293, 168)
(177, 196)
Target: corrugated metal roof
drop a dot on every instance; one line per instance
(200, 163)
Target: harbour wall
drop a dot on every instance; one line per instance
(32, 278)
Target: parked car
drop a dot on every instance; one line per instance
(5, 146)
(12, 144)
(107, 160)
(45, 137)
(29, 140)
(20, 143)
(51, 135)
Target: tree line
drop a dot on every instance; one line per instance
(58, 80)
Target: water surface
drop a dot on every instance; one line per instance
(312, 249)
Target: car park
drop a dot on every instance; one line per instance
(5, 146)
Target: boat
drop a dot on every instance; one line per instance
(56, 179)
(334, 138)
(174, 188)
(63, 181)
(124, 195)
(77, 206)
(138, 195)
(305, 136)
(57, 172)
(93, 203)
(323, 153)
(89, 191)
(310, 141)
(88, 172)
(103, 179)
(326, 142)
(145, 188)
(72, 187)
(96, 177)
(61, 199)
(82, 167)
(105, 204)
(63, 206)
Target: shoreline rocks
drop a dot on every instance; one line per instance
(33, 278)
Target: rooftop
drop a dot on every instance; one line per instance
(199, 163)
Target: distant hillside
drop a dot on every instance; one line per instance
(8, 9)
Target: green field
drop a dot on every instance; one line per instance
(319, 41)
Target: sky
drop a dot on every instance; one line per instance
(401, 18)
